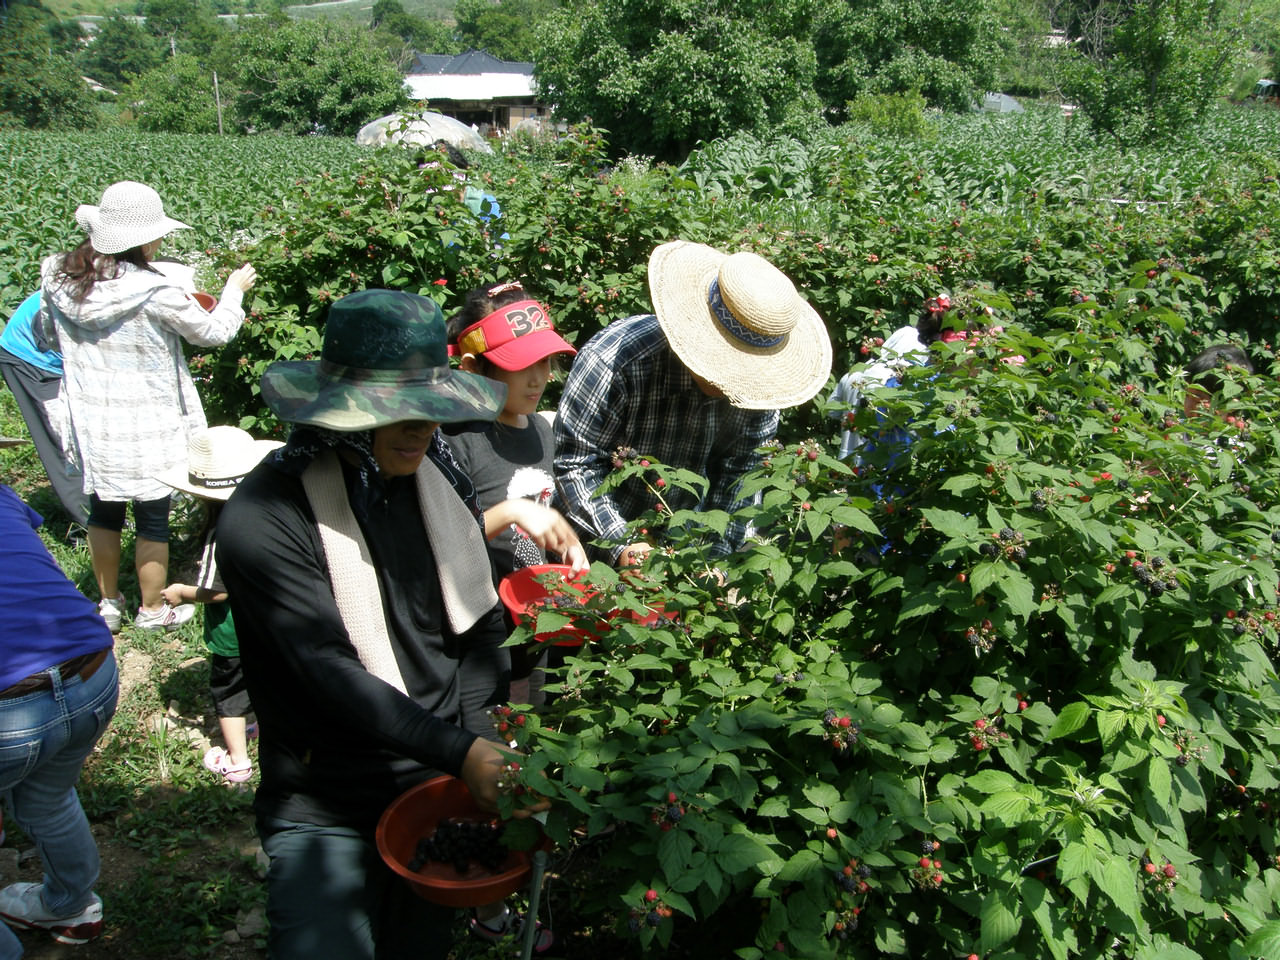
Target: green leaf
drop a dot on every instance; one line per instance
(1008, 805)
(999, 920)
(1265, 941)
(990, 781)
(957, 526)
(1116, 877)
(1071, 719)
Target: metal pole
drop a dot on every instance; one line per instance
(535, 894)
(217, 101)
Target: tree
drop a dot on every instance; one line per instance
(947, 51)
(429, 36)
(185, 26)
(314, 76)
(174, 97)
(660, 75)
(503, 28)
(39, 88)
(120, 50)
(1153, 67)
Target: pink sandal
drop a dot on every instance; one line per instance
(217, 761)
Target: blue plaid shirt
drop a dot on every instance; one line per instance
(627, 388)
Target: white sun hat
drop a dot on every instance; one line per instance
(736, 321)
(129, 215)
(217, 460)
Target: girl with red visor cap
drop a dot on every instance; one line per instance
(505, 335)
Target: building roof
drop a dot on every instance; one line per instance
(474, 75)
(471, 63)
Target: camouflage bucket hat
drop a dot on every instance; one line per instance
(383, 360)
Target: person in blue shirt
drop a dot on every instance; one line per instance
(33, 372)
(58, 692)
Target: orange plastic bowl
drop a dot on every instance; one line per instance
(205, 300)
(415, 814)
(522, 595)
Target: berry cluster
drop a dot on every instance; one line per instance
(1155, 574)
(868, 343)
(507, 721)
(651, 914)
(809, 449)
(927, 873)
(1253, 622)
(846, 921)
(982, 637)
(1160, 878)
(790, 680)
(853, 877)
(964, 407)
(840, 731)
(461, 843)
(1131, 394)
(1041, 497)
(1184, 740)
(667, 815)
(986, 733)
(511, 780)
(624, 455)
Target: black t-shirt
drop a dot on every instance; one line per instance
(338, 744)
(507, 463)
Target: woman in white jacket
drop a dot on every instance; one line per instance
(120, 324)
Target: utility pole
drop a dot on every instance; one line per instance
(217, 100)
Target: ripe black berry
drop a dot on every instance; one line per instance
(653, 918)
(1019, 554)
(674, 813)
(1007, 533)
(864, 871)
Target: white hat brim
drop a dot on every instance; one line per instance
(180, 477)
(754, 378)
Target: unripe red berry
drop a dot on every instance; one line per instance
(659, 483)
(924, 861)
(845, 722)
(980, 723)
(1150, 868)
(1022, 704)
(671, 797)
(1170, 871)
(832, 833)
(1160, 720)
(651, 895)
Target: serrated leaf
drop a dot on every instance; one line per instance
(1116, 878)
(990, 781)
(1071, 719)
(1159, 781)
(957, 526)
(1110, 724)
(1265, 941)
(1008, 805)
(999, 920)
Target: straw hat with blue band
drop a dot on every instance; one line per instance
(736, 321)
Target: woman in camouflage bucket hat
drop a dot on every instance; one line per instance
(370, 634)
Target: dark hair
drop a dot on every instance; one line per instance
(85, 266)
(1202, 370)
(478, 305)
(455, 156)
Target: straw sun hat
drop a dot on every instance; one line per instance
(129, 215)
(217, 460)
(737, 322)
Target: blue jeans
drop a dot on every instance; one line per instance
(44, 739)
(330, 895)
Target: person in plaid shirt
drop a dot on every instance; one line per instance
(696, 385)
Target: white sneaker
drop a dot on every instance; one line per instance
(166, 618)
(112, 611)
(21, 906)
